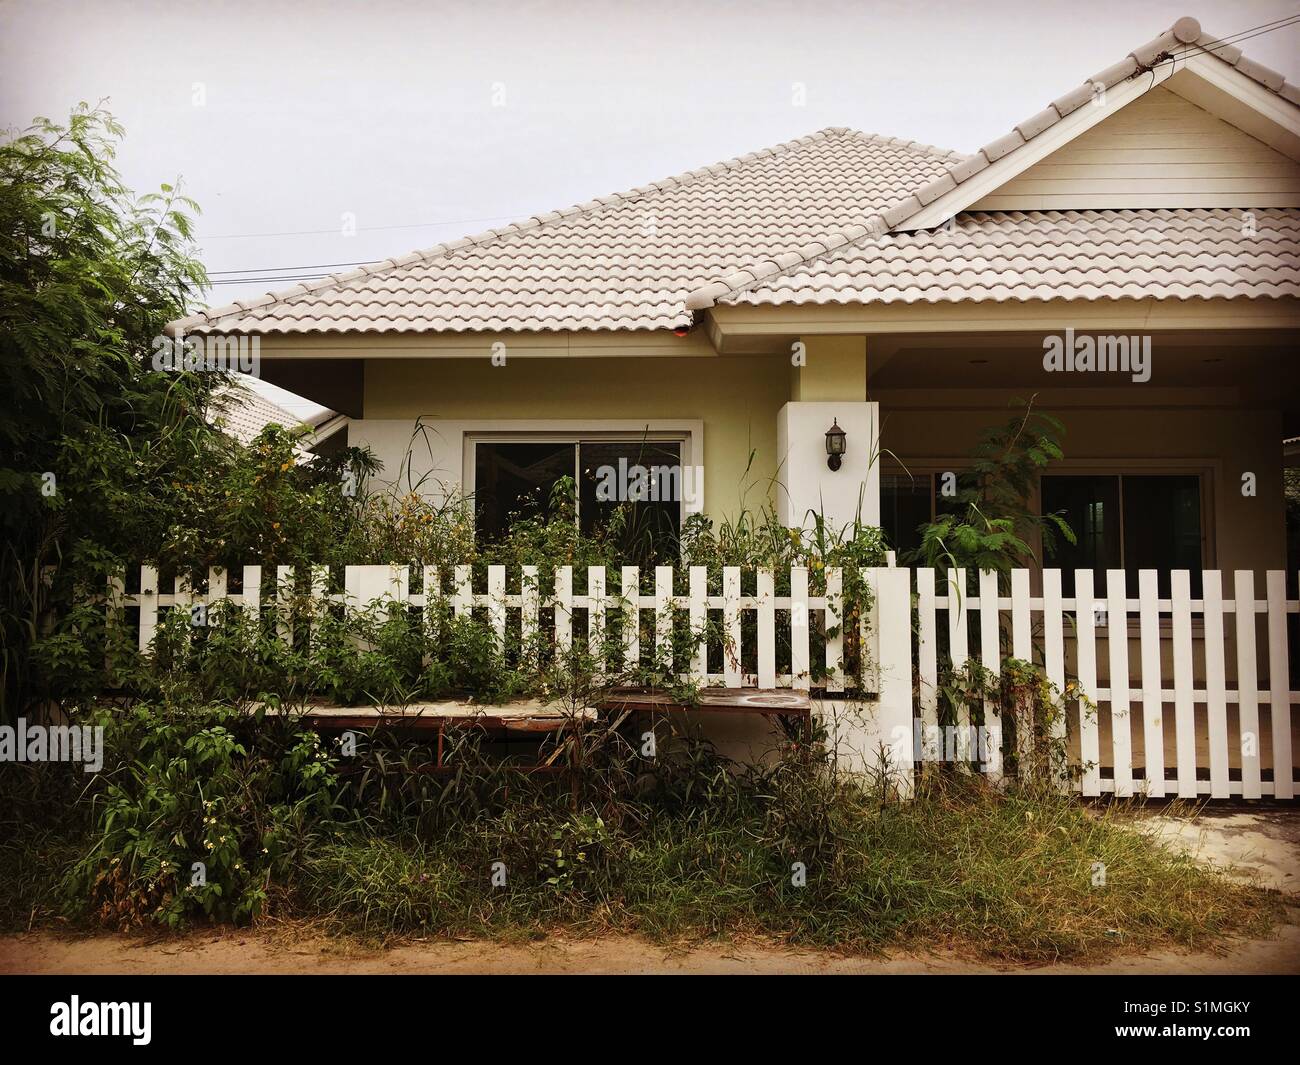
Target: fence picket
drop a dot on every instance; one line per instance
(1153, 710)
(530, 610)
(1054, 654)
(766, 629)
(834, 622)
(799, 654)
(892, 593)
(1022, 645)
(1121, 721)
(698, 619)
(1279, 697)
(284, 604)
(320, 583)
(1184, 707)
(664, 615)
(1022, 649)
(564, 610)
(252, 598)
(183, 598)
(1216, 687)
(731, 625)
(1248, 738)
(596, 615)
(431, 582)
(1085, 624)
(497, 605)
(217, 585)
(631, 577)
(991, 659)
(148, 600)
(958, 635)
(927, 652)
(462, 598)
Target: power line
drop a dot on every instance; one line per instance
(279, 269)
(1234, 38)
(362, 229)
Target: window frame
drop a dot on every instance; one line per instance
(1207, 470)
(1161, 468)
(688, 435)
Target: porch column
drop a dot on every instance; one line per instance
(828, 385)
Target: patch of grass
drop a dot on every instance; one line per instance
(998, 876)
(33, 864)
(42, 835)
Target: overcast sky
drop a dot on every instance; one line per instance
(427, 121)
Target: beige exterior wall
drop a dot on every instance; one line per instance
(736, 399)
(735, 402)
(1159, 151)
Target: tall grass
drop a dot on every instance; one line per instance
(1027, 877)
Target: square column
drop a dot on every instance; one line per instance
(828, 386)
(806, 485)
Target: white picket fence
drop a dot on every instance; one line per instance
(1055, 630)
(900, 634)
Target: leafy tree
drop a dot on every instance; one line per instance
(992, 524)
(89, 274)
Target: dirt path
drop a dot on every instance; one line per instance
(264, 953)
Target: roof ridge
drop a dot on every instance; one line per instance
(903, 142)
(1186, 32)
(688, 177)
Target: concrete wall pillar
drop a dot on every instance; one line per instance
(828, 385)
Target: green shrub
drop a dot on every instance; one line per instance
(196, 813)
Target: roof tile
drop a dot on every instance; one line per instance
(995, 150)
(1074, 99)
(1147, 54)
(1178, 253)
(927, 194)
(1270, 79)
(1035, 124)
(1116, 72)
(968, 167)
(597, 266)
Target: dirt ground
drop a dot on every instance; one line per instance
(1262, 844)
(248, 953)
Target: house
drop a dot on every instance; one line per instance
(243, 413)
(902, 291)
(1130, 253)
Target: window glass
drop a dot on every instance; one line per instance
(513, 479)
(639, 483)
(1131, 522)
(905, 505)
(1162, 528)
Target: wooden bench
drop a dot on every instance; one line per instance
(533, 716)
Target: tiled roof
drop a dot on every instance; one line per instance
(242, 413)
(1041, 255)
(621, 262)
(1184, 38)
(757, 229)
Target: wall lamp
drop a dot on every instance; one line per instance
(836, 445)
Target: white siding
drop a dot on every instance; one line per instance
(1160, 151)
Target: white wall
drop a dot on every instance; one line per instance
(806, 484)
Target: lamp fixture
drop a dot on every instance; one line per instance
(836, 445)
